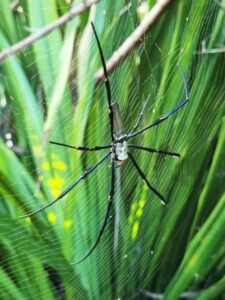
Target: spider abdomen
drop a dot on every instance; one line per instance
(121, 150)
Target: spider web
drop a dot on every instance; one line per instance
(128, 257)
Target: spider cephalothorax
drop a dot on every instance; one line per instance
(119, 149)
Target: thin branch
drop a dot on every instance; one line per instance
(205, 50)
(185, 295)
(44, 31)
(211, 51)
(135, 37)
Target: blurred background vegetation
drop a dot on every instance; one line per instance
(48, 92)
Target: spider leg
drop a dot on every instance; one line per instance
(106, 80)
(96, 148)
(83, 176)
(102, 229)
(145, 179)
(152, 150)
(171, 112)
(140, 116)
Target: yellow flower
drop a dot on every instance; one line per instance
(139, 212)
(56, 192)
(52, 217)
(59, 165)
(28, 220)
(142, 202)
(55, 182)
(135, 230)
(67, 224)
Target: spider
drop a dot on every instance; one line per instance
(119, 149)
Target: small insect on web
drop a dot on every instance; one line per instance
(119, 149)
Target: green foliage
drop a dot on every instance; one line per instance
(48, 92)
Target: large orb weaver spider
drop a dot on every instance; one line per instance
(119, 150)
